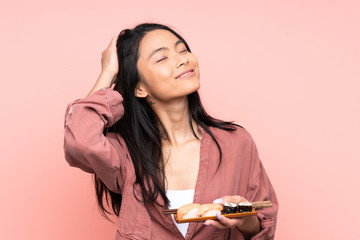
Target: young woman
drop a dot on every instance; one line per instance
(144, 134)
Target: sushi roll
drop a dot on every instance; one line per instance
(244, 207)
(229, 208)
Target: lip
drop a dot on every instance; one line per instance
(191, 71)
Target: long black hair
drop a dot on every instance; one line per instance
(140, 126)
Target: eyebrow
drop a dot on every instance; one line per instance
(164, 48)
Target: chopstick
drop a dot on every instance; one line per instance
(261, 204)
(170, 211)
(256, 205)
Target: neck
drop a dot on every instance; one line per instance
(174, 117)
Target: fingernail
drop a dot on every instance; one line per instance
(206, 224)
(218, 216)
(219, 200)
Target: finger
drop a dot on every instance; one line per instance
(112, 43)
(234, 199)
(230, 223)
(215, 224)
(113, 86)
(114, 40)
(225, 222)
(219, 200)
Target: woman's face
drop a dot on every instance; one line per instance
(167, 70)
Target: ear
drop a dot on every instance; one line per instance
(140, 91)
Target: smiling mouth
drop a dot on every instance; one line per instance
(187, 73)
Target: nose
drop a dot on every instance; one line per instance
(181, 60)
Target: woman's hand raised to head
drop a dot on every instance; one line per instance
(249, 225)
(109, 59)
(109, 67)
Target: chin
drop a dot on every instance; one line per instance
(193, 88)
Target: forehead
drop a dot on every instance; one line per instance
(156, 39)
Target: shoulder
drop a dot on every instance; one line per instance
(239, 135)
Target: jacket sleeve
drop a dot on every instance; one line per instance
(85, 145)
(260, 189)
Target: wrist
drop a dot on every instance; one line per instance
(250, 226)
(104, 80)
(108, 74)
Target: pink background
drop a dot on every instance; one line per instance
(288, 71)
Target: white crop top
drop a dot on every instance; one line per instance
(177, 199)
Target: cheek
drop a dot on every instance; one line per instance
(163, 72)
(158, 81)
(160, 75)
(153, 76)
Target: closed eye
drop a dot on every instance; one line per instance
(185, 50)
(161, 59)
